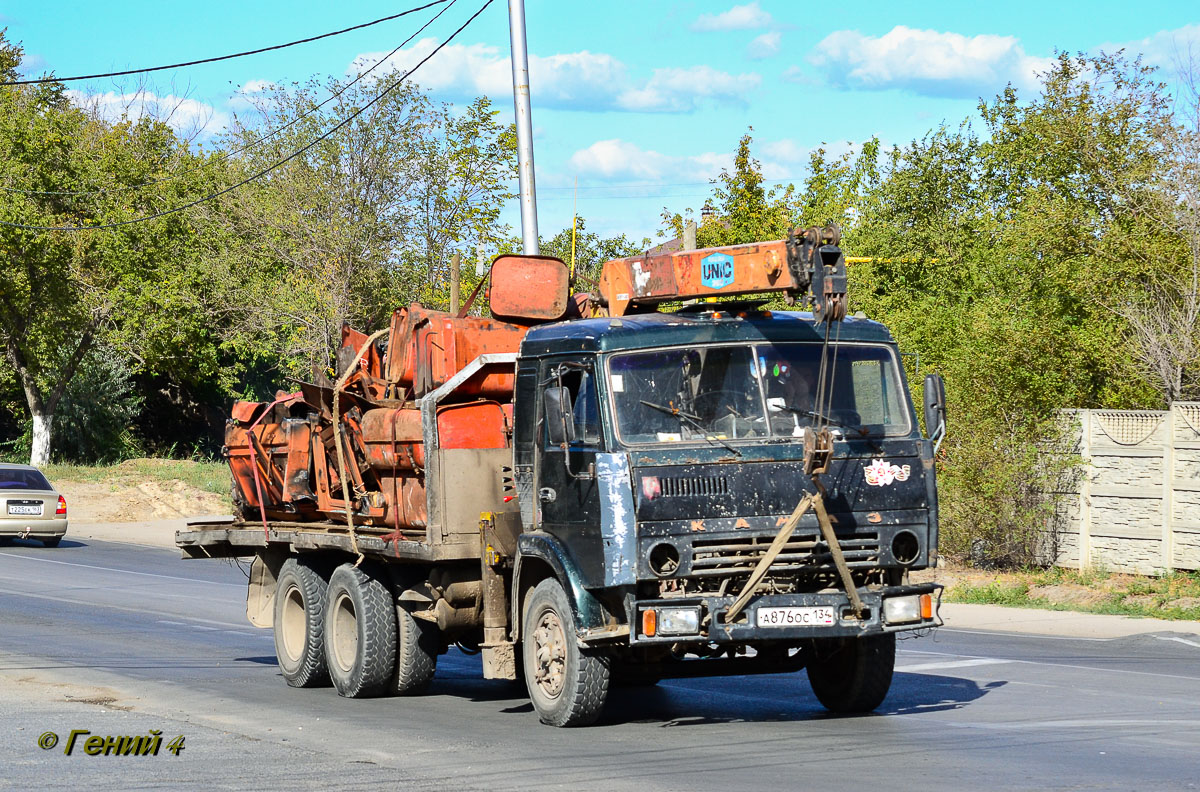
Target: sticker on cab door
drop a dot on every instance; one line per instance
(881, 473)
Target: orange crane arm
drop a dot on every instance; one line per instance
(807, 262)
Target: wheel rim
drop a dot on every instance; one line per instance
(345, 633)
(293, 623)
(549, 651)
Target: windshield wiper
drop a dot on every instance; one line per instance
(862, 430)
(693, 421)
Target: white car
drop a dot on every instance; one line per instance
(29, 507)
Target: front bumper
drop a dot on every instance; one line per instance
(745, 628)
(33, 528)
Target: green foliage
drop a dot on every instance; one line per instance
(131, 288)
(95, 420)
(203, 475)
(742, 209)
(591, 250)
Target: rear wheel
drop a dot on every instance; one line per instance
(300, 596)
(567, 685)
(360, 633)
(852, 674)
(417, 644)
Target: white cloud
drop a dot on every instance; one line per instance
(927, 62)
(570, 81)
(795, 74)
(1165, 49)
(764, 46)
(187, 117)
(786, 150)
(740, 17)
(620, 160)
(681, 90)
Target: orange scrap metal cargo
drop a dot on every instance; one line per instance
(284, 454)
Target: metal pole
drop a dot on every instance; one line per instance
(520, 68)
(454, 270)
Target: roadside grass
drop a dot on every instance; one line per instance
(206, 476)
(1175, 595)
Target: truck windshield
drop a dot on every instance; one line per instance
(729, 393)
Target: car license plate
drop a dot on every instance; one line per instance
(21, 508)
(796, 617)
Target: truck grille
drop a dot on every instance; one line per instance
(803, 553)
(694, 485)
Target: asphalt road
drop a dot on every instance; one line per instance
(120, 640)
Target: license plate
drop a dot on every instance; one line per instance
(796, 617)
(16, 508)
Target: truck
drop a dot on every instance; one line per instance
(660, 478)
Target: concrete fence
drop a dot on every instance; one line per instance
(1135, 505)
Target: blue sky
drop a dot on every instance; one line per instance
(642, 102)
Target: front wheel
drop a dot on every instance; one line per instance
(852, 675)
(567, 685)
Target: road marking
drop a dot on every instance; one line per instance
(978, 661)
(93, 604)
(1060, 665)
(1021, 635)
(122, 571)
(1176, 640)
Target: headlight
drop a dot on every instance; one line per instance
(901, 610)
(678, 621)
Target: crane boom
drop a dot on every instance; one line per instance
(808, 263)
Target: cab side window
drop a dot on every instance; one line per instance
(580, 385)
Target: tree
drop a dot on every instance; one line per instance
(591, 251)
(1163, 307)
(63, 291)
(742, 209)
(357, 225)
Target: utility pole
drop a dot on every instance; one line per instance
(455, 265)
(520, 69)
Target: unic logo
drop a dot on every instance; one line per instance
(716, 270)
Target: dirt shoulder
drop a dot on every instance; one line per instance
(142, 489)
(1174, 596)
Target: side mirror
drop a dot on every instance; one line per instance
(935, 408)
(560, 418)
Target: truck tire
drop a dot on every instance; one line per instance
(300, 594)
(567, 685)
(360, 633)
(416, 654)
(851, 675)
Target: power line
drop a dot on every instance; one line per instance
(223, 57)
(267, 170)
(225, 155)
